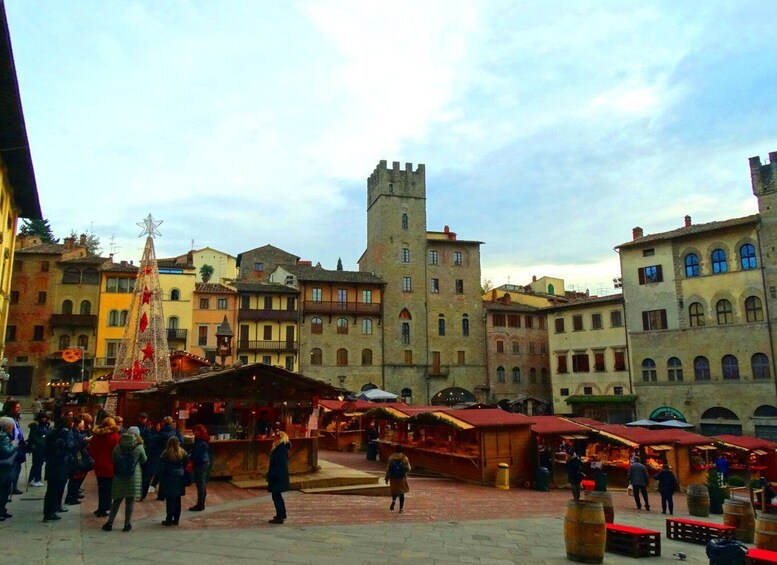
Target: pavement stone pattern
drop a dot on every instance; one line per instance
(444, 521)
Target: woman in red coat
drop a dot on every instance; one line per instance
(104, 439)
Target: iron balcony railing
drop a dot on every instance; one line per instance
(267, 345)
(250, 314)
(175, 334)
(334, 306)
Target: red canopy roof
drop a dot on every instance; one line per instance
(746, 442)
(489, 417)
(545, 425)
(349, 405)
(645, 436)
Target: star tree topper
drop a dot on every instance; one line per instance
(149, 226)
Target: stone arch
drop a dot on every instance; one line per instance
(452, 395)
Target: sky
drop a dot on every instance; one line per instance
(548, 129)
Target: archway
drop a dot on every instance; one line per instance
(718, 420)
(451, 396)
(368, 386)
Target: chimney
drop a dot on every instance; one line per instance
(493, 295)
(69, 243)
(82, 240)
(687, 221)
(446, 229)
(534, 278)
(636, 233)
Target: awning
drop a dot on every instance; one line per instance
(760, 452)
(660, 447)
(575, 437)
(705, 447)
(619, 439)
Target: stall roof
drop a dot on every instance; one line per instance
(343, 405)
(634, 436)
(745, 443)
(489, 417)
(545, 425)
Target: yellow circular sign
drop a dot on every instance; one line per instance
(71, 355)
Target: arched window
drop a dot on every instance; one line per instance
(368, 386)
(367, 326)
(533, 375)
(516, 375)
(701, 368)
(83, 341)
(441, 324)
(765, 411)
(674, 369)
(725, 313)
(754, 309)
(760, 366)
(175, 294)
(316, 357)
(342, 357)
(342, 326)
(551, 289)
(406, 394)
(696, 315)
(747, 257)
(500, 374)
(316, 325)
(691, 265)
(172, 323)
(113, 318)
(719, 263)
(405, 255)
(124, 314)
(544, 375)
(86, 308)
(90, 276)
(404, 221)
(730, 367)
(719, 413)
(649, 372)
(67, 307)
(64, 341)
(71, 275)
(366, 357)
(465, 325)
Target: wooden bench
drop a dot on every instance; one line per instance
(694, 531)
(761, 556)
(635, 542)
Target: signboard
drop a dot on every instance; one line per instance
(72, 354)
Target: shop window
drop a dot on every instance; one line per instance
(701, 368)
(316, 356)
(580, 363)
(696, 315)
(760, 366)
(649, 373)
(719, 261)
(730, 366)
(691, 265)
(500, 374)
(316, 325)
(754, 309)
(366, 357)
(747, 257)
(342, 357)
(674, 369)
(725, 312)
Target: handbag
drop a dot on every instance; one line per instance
(9, 461)
(84, 461)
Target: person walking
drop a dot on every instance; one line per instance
(128, 458)
(36, 446)
(170, 473)
(59, 459)
(396, 476)
(575, 473)
(104, 439)
(13, 409)
(7, 461)
(200, 458)
(722, 467)
(667, 485)
(278, 473)
(638, 478)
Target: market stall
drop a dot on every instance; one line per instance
(342, 424)
(237, 406)
(749, 457)
(552, 437)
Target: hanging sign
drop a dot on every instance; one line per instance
(72, 354)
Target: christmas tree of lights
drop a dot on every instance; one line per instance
(143, 357)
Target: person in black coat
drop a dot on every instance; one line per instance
(200, 458)
(59, 459)
(36, 446)
(82, 462)
(575, 473)
(147, 435)
(667, 484)
(170, 473)
(278, 474)
(158, 446)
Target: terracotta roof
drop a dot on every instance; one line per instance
(84, 261)
(213, 288)
(692, 230)
(42, 249)
(314, 274)
(746, 442)
(512, 307)
(119, 268)
(489, 417)
(264, 287)
(556, 425)
(173, 264)
(593, 301)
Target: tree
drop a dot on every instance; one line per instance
(486, 285)
(93, 245)
(339, 264)
(206, 272)
(38, 228)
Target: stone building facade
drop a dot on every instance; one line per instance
(257, 264)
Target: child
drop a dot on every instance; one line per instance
(170, 474)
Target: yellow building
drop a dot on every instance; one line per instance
(224, 265)
(176, 279)
(117, 283)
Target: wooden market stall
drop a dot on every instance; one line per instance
(749, 457)
(342, 424)
(236, 405)
(552, 436)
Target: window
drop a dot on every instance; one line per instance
(72, 275)
(577, 323)
(674, 369)
(533, 375)
(599, 361)
(175, 294)
(513, 321)
(654, 320)
(406, 333)
(617, 391)
(580, 363)
(760, 366)
(529, 321)
(291, 303)
(544, 376)
(435, 288)
(730, 367)
(701, 369)
(243, 360)
(67, 307)
(366, 326)
(267, 332)
(366, 297)
(650, 274)
(113, 318)
(83, 341)
(407, 284)
(42, 297)
(221, 304)
(441, 325)
(85, 309)
(562, 363)
(202, 335)
(696, 315)
(499, 320)
(64, 342)
(14, 297)
(719, 263)
(259, 266)
(289, 363)
(316, 357)
(649, 373)
(559, 323)
(404, 222)
(408, 357)
(747, 257)
(465, 325)
(596, 321)
(405, 255)
(342, 326)
(316, 325)
(342, 297)
(204, 303)
(245, 302)
(500, 374)
(44, 268)
(754, 309)
(616, 319)
(342, 357)
(516, 348)
(691, 265)
(531, 347)
(564, 392)
(457, 260)
(541, 322)
(37, 333)
(267, 303)
(10, 333)
(500, 346)
(366, 357)
(620, 360)
(172, 323)
(543, 347)
(124, 315)
(316, 295)
(90, 276)
(648, 252)
(516, 375)
(459, 286)
(461, 357)
(434, 258)
(725, 312)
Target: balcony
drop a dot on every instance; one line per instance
(74, 320)
(252, 315)
(335, 307)
(175, 334)
(267, 345)
(440, 371)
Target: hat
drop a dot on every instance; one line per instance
(134, 430)
(142, 415)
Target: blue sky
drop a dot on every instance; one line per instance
(548, 129)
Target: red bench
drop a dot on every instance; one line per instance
(761, 556)
(634, 542)
(694, 531)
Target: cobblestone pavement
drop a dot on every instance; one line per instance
(444, 522)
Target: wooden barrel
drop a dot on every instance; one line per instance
(584, 531)
(698, 500)
(739, 513)
(606, 499)
(766, 531)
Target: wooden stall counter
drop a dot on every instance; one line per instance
(243, 459)
(342, 440)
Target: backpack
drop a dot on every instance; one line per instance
(124, 464)
(397, 469)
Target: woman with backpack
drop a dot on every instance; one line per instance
(128, 458)
(396, 475)
(170, 473)
(278, 473)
